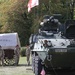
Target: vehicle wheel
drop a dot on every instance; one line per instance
(38, 65)
(9, 62)
(33, 62)
(11, 59)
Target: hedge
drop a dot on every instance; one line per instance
(23, 51)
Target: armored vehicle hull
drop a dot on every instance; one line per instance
(61, 61)
(54, 58)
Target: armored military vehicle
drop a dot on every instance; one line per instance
(53, 48)
(10, 47)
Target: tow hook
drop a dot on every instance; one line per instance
(42, 63)
(49, 57)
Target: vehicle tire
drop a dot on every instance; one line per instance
(38, 65)
(12, 59)
(33, 63)
(6, 58)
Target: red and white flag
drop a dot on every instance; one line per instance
(32, 3)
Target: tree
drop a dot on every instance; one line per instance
(15, 18)
(18, 21)
(49, 7)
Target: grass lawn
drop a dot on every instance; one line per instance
(22, 60)
(22, 69)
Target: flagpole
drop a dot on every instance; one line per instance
(37, 12)
(49, 6)
(31, 4)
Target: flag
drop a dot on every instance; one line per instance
(32, 3)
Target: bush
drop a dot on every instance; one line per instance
(23, 51)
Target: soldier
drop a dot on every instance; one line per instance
(17, 53)
(1, 56)
(28, 55)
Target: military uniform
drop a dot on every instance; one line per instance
(17, 53)
(1, 55)
(28, 55)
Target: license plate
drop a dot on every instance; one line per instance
(60, 50)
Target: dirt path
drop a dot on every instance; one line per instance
(16, 70)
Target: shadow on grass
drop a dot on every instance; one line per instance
(24, 65)
(19, 65)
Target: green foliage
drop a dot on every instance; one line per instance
(5, 6)
(15, 18)
(23, 51)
